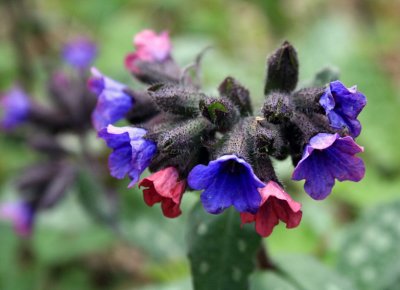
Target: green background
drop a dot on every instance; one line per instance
(360, 38)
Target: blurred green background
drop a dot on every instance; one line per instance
(354, 233)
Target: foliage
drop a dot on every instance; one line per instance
(71, 251)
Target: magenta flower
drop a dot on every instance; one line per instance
(113, 102)
(164, 187)
(79, 53)
(15, 105)
(328, 157)
(226, 181)
(150, 47)
(276, 205)
(21, 214)
(131, 152)
(342, 106)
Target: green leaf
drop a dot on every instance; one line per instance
(221, 252)
(74, 244)
(18, 270)
(177, 285)
(325, 76)
(270, 281)
(217, 106)
(305, 272)
(370, 253)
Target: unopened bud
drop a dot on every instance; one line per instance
(176, 100)
(220, 111)
(269, 141)
(264, 169)
(144, 108)
(277, 109)
(282, 70)
(185, 137)
(307, 100)
(237, 142)
(158, 72)
(237, 94)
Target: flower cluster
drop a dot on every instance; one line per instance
(67, 112)
(193, 141)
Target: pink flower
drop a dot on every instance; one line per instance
(164, 186)
(276, 205)
(150, 47)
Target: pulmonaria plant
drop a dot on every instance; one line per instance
(66, 114)
(191, 140)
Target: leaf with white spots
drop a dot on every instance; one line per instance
(177, 285)
(221, 252)
(370, 252)
(270, 281)
(305, 272)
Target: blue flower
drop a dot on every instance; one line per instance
(228, 180)
(342, 106)
(21, 214)
(79, 53)
(112, 104)
(131, 154)
(328, 157)
(15, 108)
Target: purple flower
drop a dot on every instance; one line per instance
(131, 152)
(113, 103)
(227, 181)
(326, 157)
(342, 106)
(15, 107)
(21, 214)
(79, 53)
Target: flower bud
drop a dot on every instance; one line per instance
(282, 70)
(49, 119)
(307, 100)
(237, 94)
(264, 169)
(300, 130)
(277, 109)
(45, 184)
(220, 111)
(71, 97)
(155, 72)
(269, 141)
(46, 144)
(237, 142)
(179, 144)
(144, 108)
(176, 100)
(184, 137)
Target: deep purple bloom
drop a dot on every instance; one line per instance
(342, 106)
(79, 53)
(15, 107)
(113, 103)
(326, 157)
(131, 152)
(228, 180)
(21, 214)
